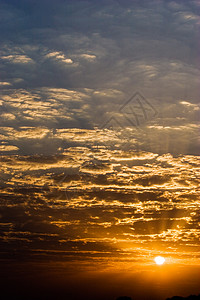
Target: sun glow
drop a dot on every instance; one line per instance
(159, 260)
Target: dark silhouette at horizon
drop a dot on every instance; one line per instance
(124, 298)
(191, 297)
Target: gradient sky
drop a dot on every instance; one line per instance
(99, 129)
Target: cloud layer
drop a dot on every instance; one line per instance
(96, 201)
(99, 129)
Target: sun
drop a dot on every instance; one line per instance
(159, 260)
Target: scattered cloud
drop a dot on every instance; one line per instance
(8, 148)
(4, 83)
(94, 196)
(59, 56)
(86, 174)
(17, 59)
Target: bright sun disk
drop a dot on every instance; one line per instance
(159, 260)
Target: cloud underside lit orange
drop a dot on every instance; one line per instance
(90, 204)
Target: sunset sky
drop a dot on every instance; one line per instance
(99, 130)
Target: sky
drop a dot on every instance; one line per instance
(99, 131)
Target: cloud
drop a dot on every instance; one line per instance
(82, 178)
(99, 200)
(4, 83)
(7, 116)
(59, 56)
(8, 148)
(88, 57)
(17, 59)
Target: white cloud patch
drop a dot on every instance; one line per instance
(88, 57)
(4, 83)
(17, 59)
(59, 56)
(190, 105)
